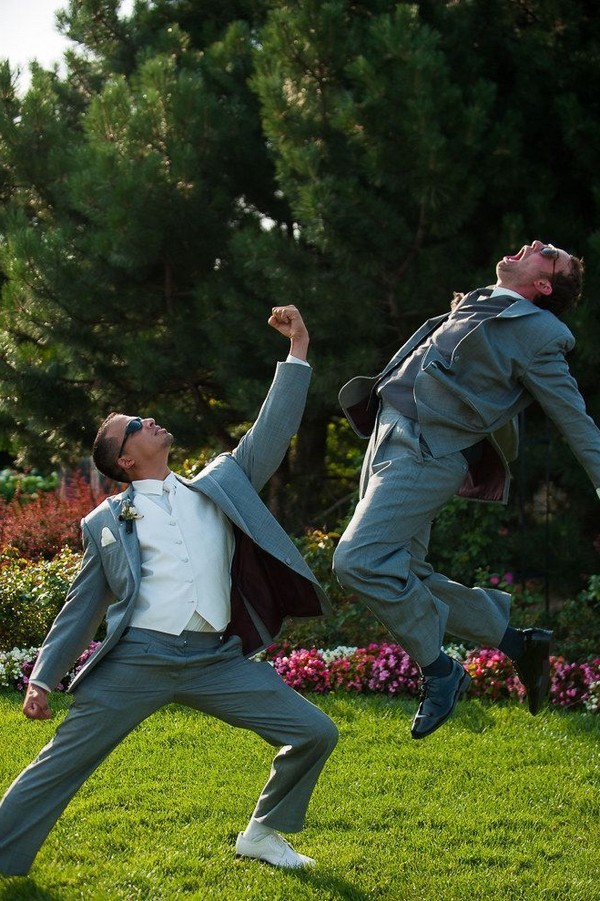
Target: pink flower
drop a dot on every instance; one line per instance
(394, 672)
(303, 670)
(492, 675)
(570, 682)
(387, 669)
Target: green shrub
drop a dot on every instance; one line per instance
(467, 536)
(578, 624)
(527, 607)
(577, 627)
(31, 594)
(13, 482)
(351, 622)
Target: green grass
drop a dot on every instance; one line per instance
(497, 805)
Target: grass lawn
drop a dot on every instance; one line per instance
(496, 805)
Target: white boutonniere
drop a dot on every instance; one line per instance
(128, 514)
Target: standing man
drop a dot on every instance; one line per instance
(190, 576)
(441, 420)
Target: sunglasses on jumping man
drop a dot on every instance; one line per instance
(552, 254)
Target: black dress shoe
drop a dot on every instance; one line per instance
(533, 666)
(439, 696)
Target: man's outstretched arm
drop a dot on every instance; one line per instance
(263, 447)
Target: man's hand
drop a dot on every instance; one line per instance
(35, 705)
(289, 322)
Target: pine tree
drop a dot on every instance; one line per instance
(201, 162)
(135, 183)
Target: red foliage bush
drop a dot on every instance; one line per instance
(40, 525)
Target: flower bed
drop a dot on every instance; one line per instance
(17, 665)
(386, 668)
(383, 668)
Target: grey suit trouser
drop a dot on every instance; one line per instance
(145, 671)
(381, 555)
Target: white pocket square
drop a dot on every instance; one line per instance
(107, 537)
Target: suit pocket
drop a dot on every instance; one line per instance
(109, 550)
(117, 570)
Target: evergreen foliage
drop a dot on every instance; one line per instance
(200, 162)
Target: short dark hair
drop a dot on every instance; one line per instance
(566, 290)
(105, 450)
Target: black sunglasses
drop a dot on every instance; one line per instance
(552, 253)
(134, 425)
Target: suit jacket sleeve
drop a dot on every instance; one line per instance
(264, 446)
(548, 379)
(78, 620)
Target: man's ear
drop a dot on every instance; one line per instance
(543, 286)
(126, 463)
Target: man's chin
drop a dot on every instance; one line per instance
(504, 270)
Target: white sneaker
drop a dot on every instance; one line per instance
(273, 849)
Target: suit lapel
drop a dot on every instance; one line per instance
(519, 308)
(129, 540)
(418, 337)
(213, 490)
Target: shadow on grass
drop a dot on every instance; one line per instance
(21, 888)
(475, 718)
(473, 714)
(329, 885)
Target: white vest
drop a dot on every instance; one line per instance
(186, 560)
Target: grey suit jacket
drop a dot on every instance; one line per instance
(496, 371)
(270, 579)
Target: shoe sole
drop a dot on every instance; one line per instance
(279, 866)
(544, 682)
(461, 688)
(544, 686)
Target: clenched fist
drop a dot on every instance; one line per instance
(35, 705)
(288, 321)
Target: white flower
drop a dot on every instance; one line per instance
(11, 665)
(128, 511)
(336, 653)
(592, 702)
(128, 514)
(458, 651)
